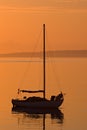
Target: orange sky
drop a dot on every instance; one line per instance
(21, 22)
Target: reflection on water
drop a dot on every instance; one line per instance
(72, 80)
(26, 114)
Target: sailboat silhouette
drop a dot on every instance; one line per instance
(38, 102)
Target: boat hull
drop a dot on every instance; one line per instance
(38, 104)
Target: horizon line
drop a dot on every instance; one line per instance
(50, 53)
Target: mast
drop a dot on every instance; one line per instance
(44, 65)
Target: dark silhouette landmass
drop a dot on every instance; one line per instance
(57, 53)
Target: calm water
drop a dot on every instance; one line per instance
(68, 75)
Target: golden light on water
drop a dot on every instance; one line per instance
(66, 29)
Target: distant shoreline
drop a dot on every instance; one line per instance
(58, 53)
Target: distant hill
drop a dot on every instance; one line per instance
(58, 53)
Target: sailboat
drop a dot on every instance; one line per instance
(38, 102)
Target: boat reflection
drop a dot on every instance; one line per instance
(40, 113)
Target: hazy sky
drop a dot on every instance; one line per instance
(21, 22)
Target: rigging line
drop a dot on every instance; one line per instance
(24, 76)
(30, 64)
(53, 61)
(37, 41)
(56, 76)
(40, 77)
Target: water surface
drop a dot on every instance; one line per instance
(63, 74)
